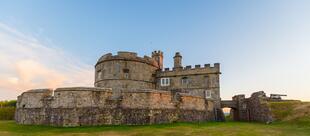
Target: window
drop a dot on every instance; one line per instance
(126, 73)
(99, 76)
(117, 70)
(126, 70)
(164, 81)
(208, 94)
(184, 81)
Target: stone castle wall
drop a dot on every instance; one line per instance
(199, 80)
(132, 94)
(254, 108)
(98, 106)
(128, 71)
(258, 108)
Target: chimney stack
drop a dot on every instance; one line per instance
(177, 61)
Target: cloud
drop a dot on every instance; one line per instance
(27, 63)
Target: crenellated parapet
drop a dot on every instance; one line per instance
(155, 53)
(128, 56)
(192, 70)
(158, 56)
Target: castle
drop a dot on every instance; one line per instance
(128, 71)
(129, 90)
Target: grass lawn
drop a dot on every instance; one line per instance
(9, 128)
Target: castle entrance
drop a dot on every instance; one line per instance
(230, 110)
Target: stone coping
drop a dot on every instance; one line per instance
(49, 90)
(43, 90)
(83, 89)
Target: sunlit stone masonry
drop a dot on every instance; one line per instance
(129, 90)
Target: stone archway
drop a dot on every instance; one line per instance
(227, 113)
(254, 108)
(234, 112)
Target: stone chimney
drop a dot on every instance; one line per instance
(177, 61)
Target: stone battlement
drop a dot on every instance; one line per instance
(197, 69)
(127, 56)
(157, 52)
(208, 67)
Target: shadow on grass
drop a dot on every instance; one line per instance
(179, 128)
(13, 127)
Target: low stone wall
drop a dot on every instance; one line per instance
(254, 108)
(258, 108)
(98, 106)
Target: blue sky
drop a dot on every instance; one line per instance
(261, 44)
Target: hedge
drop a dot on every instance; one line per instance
(7, 113)
(7, 109)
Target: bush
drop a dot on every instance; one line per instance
(7, 113)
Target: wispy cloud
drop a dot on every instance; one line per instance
(26, 63)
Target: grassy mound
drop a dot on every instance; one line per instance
(291, 111)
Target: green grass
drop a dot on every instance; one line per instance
(293, 120)
(9, 128)
(282, 110)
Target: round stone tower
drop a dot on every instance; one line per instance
(126, 70)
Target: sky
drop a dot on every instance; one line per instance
(261, 44)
